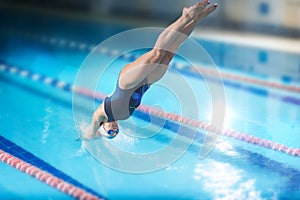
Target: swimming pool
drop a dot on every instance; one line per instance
(38, 69)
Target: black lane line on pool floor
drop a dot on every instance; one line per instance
(17, 151)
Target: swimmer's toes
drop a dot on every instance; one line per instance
(201, 4)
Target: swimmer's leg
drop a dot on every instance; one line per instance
(154, 63)
(172, 37)
(175, 34)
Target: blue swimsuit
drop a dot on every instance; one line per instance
(121, 104)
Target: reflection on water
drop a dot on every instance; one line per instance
(226, 148)
(225, 182)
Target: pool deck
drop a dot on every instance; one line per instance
(252, 39)
(269, 42)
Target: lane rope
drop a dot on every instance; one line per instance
(82, 46)
(240, 136)
(46, 177)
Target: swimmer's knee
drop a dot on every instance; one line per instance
(162, 54)
(157, 54)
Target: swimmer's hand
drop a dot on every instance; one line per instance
(99, 116)
(86, 137)
(91, 134)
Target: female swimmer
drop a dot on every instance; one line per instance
(136, 77)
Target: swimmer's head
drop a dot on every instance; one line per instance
(109, 129)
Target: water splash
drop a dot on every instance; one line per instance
(46, 121)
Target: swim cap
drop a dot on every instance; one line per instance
(108, 134)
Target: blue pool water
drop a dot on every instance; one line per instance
(39, 119)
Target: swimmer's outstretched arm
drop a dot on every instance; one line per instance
(98, 117)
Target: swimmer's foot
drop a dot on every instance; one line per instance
(200, 10)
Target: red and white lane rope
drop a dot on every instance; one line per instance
(255, 81)
(155, 112)
(225, 132)
(82, 46)
(46, 177)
